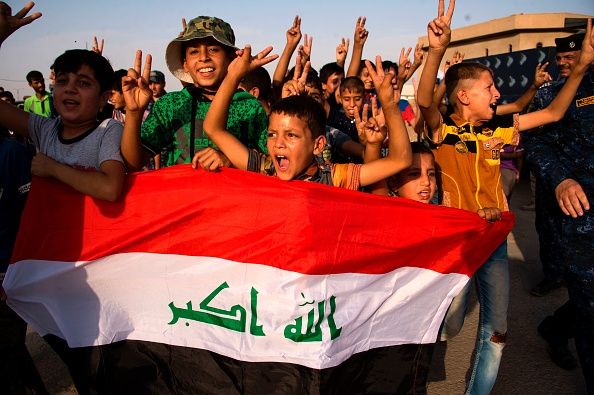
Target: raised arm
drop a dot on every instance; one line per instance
(540, 77)
(137, 95)
(360, 38)
(399, 153)
(98, 46)
(215, 122)
(342, 50)
(418, 57)
(555, 111)
(11, 116)
(440, 91)
(404, 66)
(372, 134)
(305, 49)
(439, 35)
(296, 85)
(293, 38)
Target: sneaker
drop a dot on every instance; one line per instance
(545, 287)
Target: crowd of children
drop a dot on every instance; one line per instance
(343, 129)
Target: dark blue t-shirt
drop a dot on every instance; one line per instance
(15, 181)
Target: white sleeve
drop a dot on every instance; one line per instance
(111, 140)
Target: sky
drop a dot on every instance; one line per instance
(150, 25)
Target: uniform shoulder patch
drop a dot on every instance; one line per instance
(585, 101)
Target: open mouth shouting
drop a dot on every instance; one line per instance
(281, 163)
(424, 195)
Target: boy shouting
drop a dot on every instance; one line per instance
(469, 141)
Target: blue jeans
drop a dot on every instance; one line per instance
(492, 281)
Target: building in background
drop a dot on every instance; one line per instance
(513, 46)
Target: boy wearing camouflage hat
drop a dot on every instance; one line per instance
(198, 57)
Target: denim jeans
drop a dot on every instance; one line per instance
(492, 281)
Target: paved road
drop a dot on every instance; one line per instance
(525, 369)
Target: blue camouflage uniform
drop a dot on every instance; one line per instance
(571, 156)
(548, 214)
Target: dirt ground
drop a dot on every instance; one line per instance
(525, 368)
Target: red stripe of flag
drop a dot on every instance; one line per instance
(246, 217)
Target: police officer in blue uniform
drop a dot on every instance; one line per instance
(566, 163)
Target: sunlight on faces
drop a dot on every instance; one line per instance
(206, 61)
(418, 182)
(38, 86)
(366, 78)
(77, 96)
(480, 96)
(117, 99)
(158, 89)
(314, 93)
(566, 61)
(332, 84)
(291, 145)
(350, 100)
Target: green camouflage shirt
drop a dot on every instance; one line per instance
(167, 128)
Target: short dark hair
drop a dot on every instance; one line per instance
(34, 75)
(462, 71)
(328, 69)
(259, 78)
(305, 108)
(314, 81)
(387, 64)
(117, 79)
(7, 94)
(353, 84)
(291, 73)
(363, 66)
(72, 60)
(312, 78)
(417, 147)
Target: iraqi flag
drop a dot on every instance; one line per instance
(233, 281)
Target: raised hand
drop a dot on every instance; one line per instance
(439, 32)
(458, 57)
(419, 54)
(296, 85)
(541, 75)
(369, 129)
(294, 32)
(244, 63)
(342, 50)
(184, 27)
(383, 82)
(360, 32)
(404, 63)
(10, 23)
(135, 85)
(97, 46)
(305, 49)
(587, 52)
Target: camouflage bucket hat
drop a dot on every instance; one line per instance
(199, 27)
